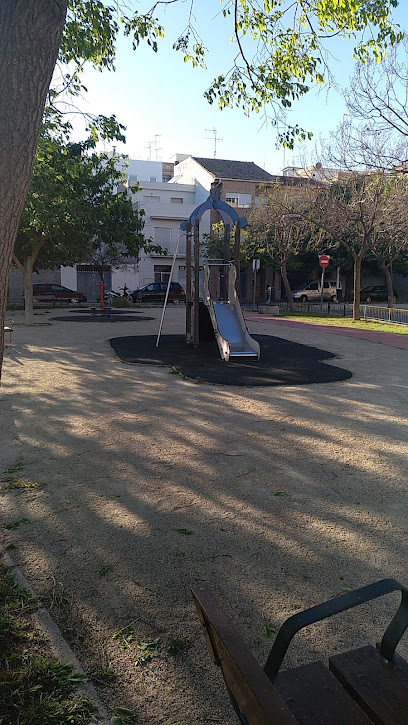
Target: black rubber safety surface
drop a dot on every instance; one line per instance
(101, 318)
(281, 362)
(114, 311)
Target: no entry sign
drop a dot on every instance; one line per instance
(324, 260)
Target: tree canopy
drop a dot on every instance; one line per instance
(76, 210)
(279, 47)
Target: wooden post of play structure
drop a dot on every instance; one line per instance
(189, 301)
(196, 306)
(237, 255)
(227, 239)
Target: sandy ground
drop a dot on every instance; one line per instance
(126, 455)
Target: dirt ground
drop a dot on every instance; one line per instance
(277, 497)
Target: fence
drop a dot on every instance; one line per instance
(398, 316)
(342, 309)
(380, 313)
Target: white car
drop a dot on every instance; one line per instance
(311, 292)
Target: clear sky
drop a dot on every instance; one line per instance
(160, 99)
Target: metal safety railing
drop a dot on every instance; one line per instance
(342, 309)
(394, 315)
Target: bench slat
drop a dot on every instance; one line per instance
(315, 697)
(379, 687)
(246, 681)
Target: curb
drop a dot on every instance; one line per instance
(58, 645)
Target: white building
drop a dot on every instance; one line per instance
(165, 206)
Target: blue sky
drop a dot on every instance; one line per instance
(160, 99)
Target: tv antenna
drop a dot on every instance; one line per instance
(156, 144)
(214, 132)
(149, 146)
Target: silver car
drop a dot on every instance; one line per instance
(311, 292)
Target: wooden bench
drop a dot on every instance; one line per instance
(365, 685)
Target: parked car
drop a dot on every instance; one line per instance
(311, 292)
(373, 293)
(45, 292)
(156, 292)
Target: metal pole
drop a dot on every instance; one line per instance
(321, 290)
(168, 290)
(101, 292)
(237, 255)
(196, 306)
(227, 239)
(189, 302)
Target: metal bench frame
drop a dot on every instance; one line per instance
(364, 685)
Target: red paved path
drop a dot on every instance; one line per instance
(384, 338)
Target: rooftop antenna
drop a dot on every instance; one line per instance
(149, 146)
(156, 148)
(214, 132)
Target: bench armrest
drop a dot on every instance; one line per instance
(389, 642)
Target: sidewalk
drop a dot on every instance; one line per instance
(384, 338)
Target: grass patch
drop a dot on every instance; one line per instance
(17, 466)
(185, 532)
(105, 569)
(11, 525)
(145, 651)
(322, 319)
(14, 482)
(175, 645)
(34, 688)
(123, 716)
(14, 479)
(121, 302)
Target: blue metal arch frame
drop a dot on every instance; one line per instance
(213, 202)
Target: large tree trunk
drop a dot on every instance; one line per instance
(386, 268)
(30, 36)
(287, 286)
(357, 286)
(27, 269)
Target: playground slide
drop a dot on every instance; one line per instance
(229, 325)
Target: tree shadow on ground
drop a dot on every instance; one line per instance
(281, 511)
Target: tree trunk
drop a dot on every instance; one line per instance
(28, 291)
(30, 35)
(357, 286)
(386, 268)
(287, 286)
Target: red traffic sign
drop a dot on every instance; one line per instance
(324, 260)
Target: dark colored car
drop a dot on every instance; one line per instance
(156, 292)
(373, 293)
(46, 292)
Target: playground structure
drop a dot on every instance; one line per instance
(230, 331)
(220, 285)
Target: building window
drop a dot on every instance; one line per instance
(162, 236)
(176, 200)
(243, 201)
(154, 199)
(153, 178)
(162, 272)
